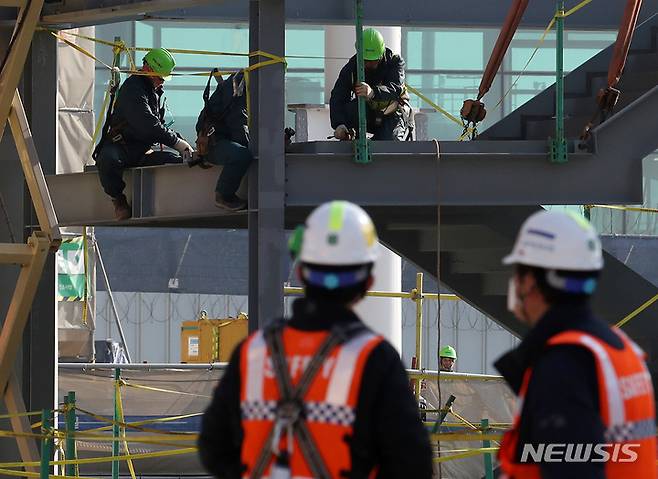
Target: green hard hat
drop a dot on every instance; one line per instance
(161, 61)
(448, 352)
(373, 44)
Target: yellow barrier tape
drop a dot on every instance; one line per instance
(639, 209)
(80, 49)
(451, 436)
(467, 453)
(174, 442)
(9, 472)
(96, 460)
(119, 403)
(21, 414)
(548, 28)
(637, 311)
(464, 421)
(441, 110)
(527, 63)
(151, 388)
(573, 10)
(137, 424)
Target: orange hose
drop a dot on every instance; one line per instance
(623, 43)
(512, 21)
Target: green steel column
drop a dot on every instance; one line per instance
(115, 427)
(46, 443)
(71, 453)
(362, 148)
(488, 462)
(559, 145)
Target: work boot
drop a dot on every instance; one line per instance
(122, 210)
(229, 202)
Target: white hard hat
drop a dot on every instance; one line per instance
(339, 233)
(557, 241)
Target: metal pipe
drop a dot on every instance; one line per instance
(488, 462)
(447, 376)
(296, 291)
(115, 427)
(46, 443)
(418, 299)
(69, 400)
(559, 150)
(362, 154)
(143, 366)
(114, 306)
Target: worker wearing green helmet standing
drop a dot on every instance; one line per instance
(447, 358)
(389, 115)
(135, 124)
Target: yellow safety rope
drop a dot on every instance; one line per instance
(119, 403)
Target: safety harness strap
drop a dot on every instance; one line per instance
(291, 405)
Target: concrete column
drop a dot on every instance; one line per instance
(381, 314)
(384, 315)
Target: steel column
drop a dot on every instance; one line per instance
(266, 228)
(559, 146)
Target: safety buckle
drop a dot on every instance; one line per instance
(117, 138)
(607, 98)
(289, 411)
(211, 130)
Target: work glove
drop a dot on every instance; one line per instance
(185, 149)
(342, 133)
(364, 90)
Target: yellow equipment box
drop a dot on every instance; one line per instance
(211, 340)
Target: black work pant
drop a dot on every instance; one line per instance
(235, 158)
(114, 158)
(390, 127)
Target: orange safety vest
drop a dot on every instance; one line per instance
(330, 403)
(626, 403)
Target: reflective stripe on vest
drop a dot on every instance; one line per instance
(626, 403)
(329, 405)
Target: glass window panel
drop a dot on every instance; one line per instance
(460, 50)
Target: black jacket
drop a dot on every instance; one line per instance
(387, 81)
(136, 113)
(227, 111)
(562, 400)
(387, 431)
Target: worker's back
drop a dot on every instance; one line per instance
(359, 409)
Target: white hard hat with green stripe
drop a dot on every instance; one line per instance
(339, 233)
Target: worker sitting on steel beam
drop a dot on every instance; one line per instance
(223, 137)
(447, 358)
(319, 395)
(389, 116)
(134, 126)
(586, 399)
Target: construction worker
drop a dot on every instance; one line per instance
(389, 115)
(223, 137)
(134, 126)
(584, 389)
(319, 395)
(447, 358)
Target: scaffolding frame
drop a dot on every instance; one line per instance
(32, 255)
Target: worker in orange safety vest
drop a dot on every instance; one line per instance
(585, 397)
(319, 395)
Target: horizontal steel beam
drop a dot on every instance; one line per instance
(402, 174)
(467, 13)
(472, 173)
